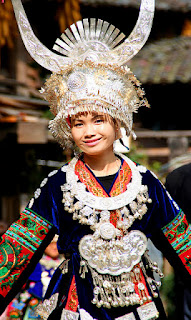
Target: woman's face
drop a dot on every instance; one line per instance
(94, 133)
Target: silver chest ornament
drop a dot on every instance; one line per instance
(112, 254)
(111, 259)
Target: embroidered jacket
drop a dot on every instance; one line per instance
(24, 242)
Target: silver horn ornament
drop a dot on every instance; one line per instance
(92, 39)
(40, 53)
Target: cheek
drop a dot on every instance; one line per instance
(75, 134)
(110, 133)
(112, 137)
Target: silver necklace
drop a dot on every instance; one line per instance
(93, 210)
(78, 189)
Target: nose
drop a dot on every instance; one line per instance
(89, 130)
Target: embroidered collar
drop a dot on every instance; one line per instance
(93, 185)
(99, 202)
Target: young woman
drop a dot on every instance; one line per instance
(102, 205)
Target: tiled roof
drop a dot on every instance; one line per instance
(177, 5)
(165, 61)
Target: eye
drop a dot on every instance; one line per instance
(78, 124)
(99, 120)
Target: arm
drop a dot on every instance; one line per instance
(24, 243)
(171, 232)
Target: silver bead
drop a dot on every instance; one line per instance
(94, 301)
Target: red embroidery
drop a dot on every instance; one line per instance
(140, 283)
(178, 234)
(72, 301)
(18, 245)
(115, 216)
(93, 186)
(122, 180)
(89, 180)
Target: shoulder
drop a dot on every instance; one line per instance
(147, 177)
(54, 177)
(183, 170)
(175, 178)
(50, 183)
(144, 171)
(132, 164)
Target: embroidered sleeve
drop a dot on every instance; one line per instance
(178, 234)
(24, 242)
(174, 237)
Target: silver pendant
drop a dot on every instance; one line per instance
(45, 308)
(148, 311)
(69, 315)
(116, 256)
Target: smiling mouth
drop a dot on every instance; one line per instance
(92, 141)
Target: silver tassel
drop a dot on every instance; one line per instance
(64, 266)
(83, 269)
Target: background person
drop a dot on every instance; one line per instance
(178, 183)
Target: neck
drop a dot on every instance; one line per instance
(103, 164)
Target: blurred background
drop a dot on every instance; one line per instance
(27, 150)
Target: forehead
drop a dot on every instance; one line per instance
(92, 114)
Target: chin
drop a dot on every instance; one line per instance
(99, 149)
(95, 151)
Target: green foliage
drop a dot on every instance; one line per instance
(168, 295)
(143, 159)
(48, 115)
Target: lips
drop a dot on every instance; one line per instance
(92, 142)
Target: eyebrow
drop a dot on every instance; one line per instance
(99, 116)
(94, 117)
(75, 120)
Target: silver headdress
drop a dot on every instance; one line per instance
(90, 75)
